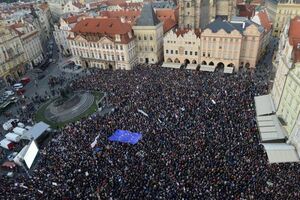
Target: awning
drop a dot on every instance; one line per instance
(270, 128)
(228, 70)
(281, 152)
(38, 129)
(264, 105)
(172, 65)
(207, 68)
(192, 66)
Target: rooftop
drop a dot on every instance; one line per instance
(148, 17)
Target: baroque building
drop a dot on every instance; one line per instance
(278, 113)
(196, 14)
(149, 33)
(103, 43)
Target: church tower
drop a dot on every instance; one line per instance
(189, 13)
(194, 14)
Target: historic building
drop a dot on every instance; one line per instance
(103, 43)
(149, 36)
(280, 11)
(182, 46)
(278, 113)
(12, 56)
(194, 14)
(62, 31)
(31, 43)
(230, 45)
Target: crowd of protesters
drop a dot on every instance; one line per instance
(200, 141)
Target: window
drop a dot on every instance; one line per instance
(121, 47)
(122, 58)
(171, 51)
(208, 55)
(187, 4)
(220, 47)
(112, 57)
(151, 38)
(186, 53)
(191, 53)
(176, 51)
(203, 54)
(145, 38)
(140, 38)
(167, 51)
(196, 53)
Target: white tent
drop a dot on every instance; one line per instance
(19, 131)
(264, 105)
(13, 137)
(171, 65)
(270, 128)
(20, 156)
(228, 70)
(7, 125)
(207, 68)
(38, 129)
(280, 152)
(192, 66)
(6, 144)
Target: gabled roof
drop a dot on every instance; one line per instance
(218, 24)
(148, 17)
(102, 25)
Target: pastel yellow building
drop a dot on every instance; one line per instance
(278, 113)
(149, 36)
(281, 10)
(222, 44)
(12, 56)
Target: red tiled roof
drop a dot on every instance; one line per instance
(181, 32)
(72, 19)
(246, 10)
(130, 16)
(164, 14)
(264, 20)
(294, 37)
(168, 24)
(104, 27)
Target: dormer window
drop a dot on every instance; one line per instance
(118, 38)
(129, 34)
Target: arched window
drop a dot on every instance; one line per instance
(187, 4)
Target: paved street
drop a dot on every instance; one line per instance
(40, 87)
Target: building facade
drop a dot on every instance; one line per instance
(31, 43)
(149, 33)
(12, 56)
(194, 14)
(236, 44)
(103, 43)
(62, 31)
(286, 87)
(280, 11)
(278, 114)
(182, 46)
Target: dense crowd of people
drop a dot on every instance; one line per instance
(200, 141)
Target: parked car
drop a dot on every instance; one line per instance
(9, 93)
(18, 86)
(20, 91)
(25, 80)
